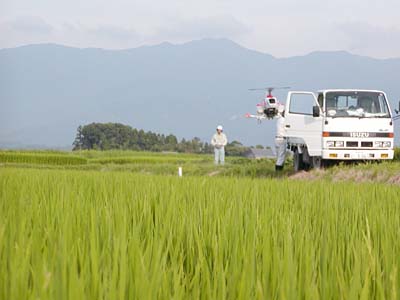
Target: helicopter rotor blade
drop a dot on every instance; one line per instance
(270, 88)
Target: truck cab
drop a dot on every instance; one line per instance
(338, 125)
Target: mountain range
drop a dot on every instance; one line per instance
(48, 90)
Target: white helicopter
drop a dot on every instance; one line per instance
(268, 107)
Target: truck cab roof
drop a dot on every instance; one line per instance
(349, 90)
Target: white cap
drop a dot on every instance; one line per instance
(219, 127)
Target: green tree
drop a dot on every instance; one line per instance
(78, 142)
(236, 148)
(107, 136)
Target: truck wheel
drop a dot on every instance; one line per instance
(317, 162)
(297, 161)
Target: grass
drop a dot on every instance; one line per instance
(396, 153)
(68, 234)
(122, 225)
(385, 172)
(139, 162)
(146, 160)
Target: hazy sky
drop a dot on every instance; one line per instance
(281, 28)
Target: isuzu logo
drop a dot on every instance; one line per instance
(359, 134)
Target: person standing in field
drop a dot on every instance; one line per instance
(219, 142)
(280, 139)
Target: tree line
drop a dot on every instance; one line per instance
(113, 136)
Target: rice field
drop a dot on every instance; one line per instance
(78, 234)
(155, 163)
(41, 158)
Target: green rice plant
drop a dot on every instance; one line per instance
(41, 158)
(116, 235)
(396, 153)
(202, 166)
(38, 151)
(145, 160)
(93, 154)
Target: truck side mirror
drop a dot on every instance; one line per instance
(397, 110)
(315, 111)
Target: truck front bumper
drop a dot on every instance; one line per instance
(357, 154)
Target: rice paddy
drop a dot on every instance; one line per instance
(123, 234)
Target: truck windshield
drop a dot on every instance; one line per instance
(356, 104)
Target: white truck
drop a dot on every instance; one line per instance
(338, 125)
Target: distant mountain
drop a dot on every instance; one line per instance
(47, 90)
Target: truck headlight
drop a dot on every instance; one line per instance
(330, 144)
(386, 144)
(335, 144)
(339, 144)
(378, 144)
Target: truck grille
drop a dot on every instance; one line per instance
(366, 144)
(351, 144)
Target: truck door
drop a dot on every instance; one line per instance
(300, 125)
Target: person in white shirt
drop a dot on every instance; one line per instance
(219, 142)
(280, 140)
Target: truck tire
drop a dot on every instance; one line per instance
(317, 162)
(298, 164)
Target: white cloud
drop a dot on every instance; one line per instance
(99, 36)
(368, 39)
(281, 29)
(31, 29)
(29, 25)
(24, 30)
(111, 32)
(222, 26)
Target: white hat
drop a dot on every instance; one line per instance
(219, 127)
